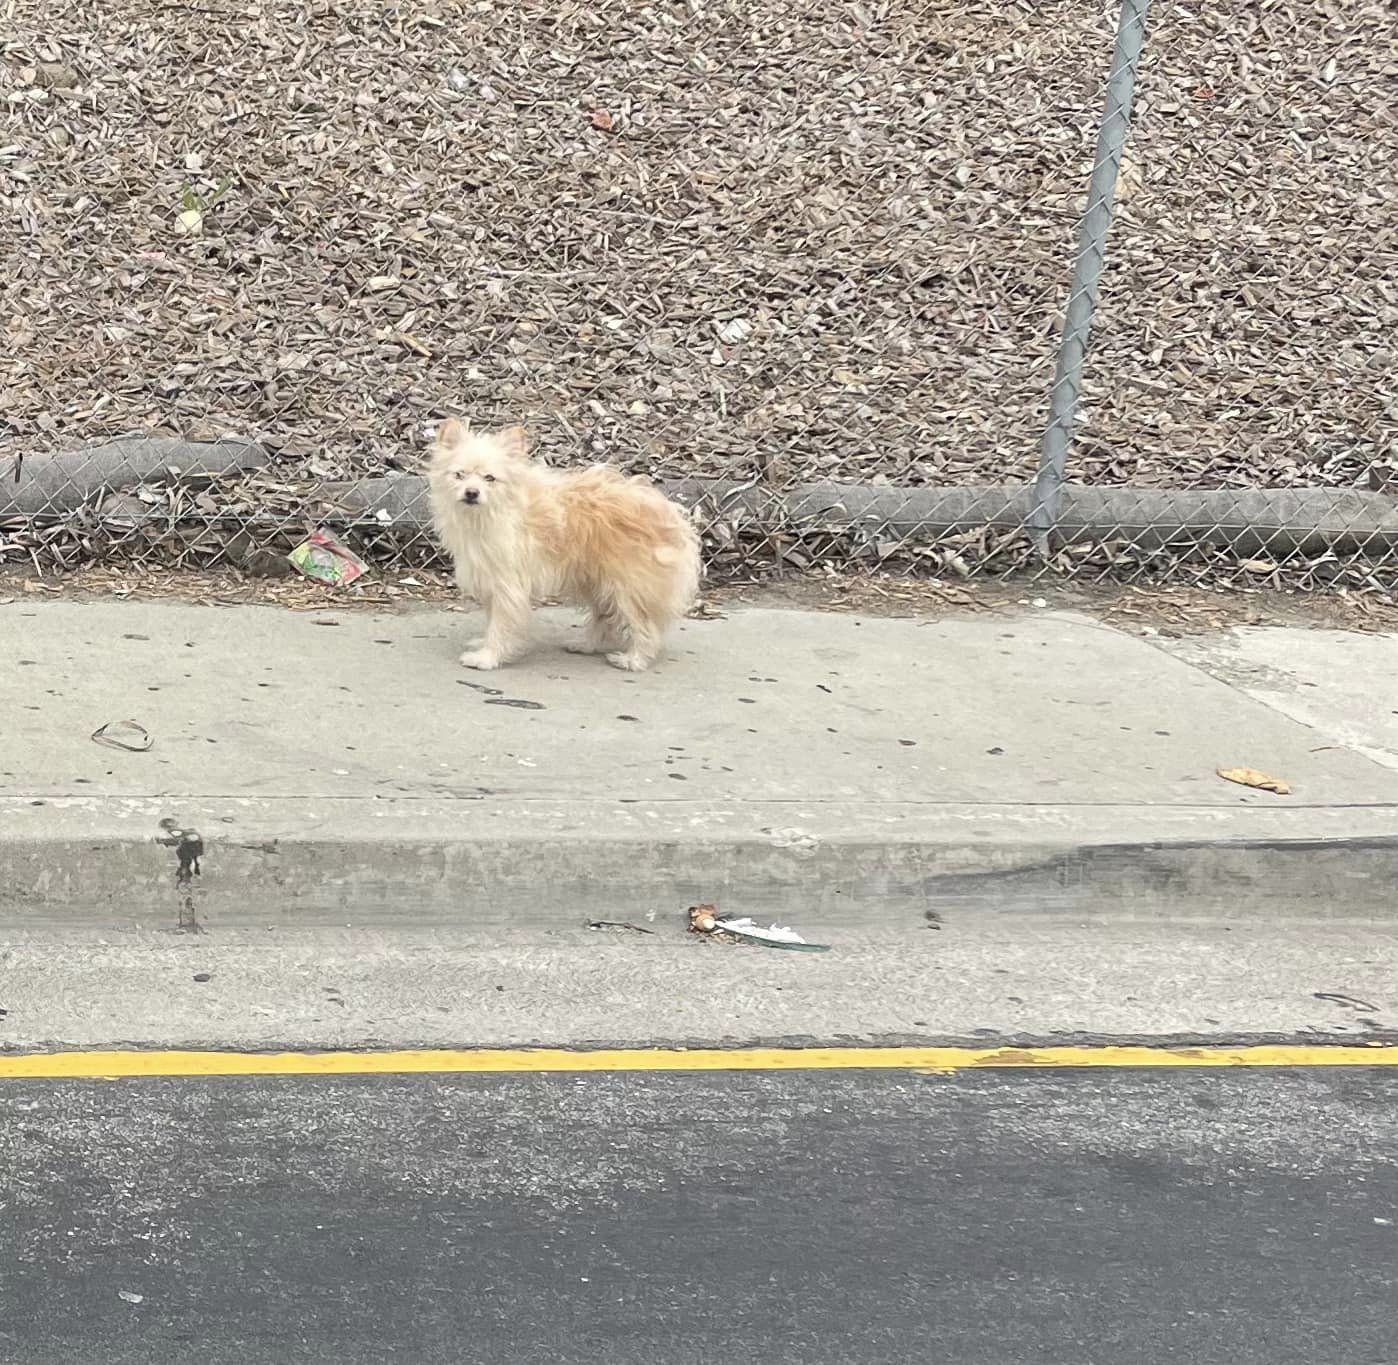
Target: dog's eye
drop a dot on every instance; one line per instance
(458, 474)
(490, 478)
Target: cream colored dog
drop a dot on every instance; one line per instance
(518, 531)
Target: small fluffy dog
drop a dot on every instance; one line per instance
(518, 531)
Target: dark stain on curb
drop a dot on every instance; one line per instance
(189, 850)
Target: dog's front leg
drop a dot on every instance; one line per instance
(506, 628)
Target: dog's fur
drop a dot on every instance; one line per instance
(518, 531)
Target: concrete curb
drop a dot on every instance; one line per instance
(540, 867)
(47, 485)
(1278, 521)
(1275, 521)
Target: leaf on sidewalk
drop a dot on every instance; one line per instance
(123, 734)
(1250, 777)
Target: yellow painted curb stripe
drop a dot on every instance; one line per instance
(112, 1065)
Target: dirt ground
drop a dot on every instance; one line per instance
(768, 239)
(1165, 610)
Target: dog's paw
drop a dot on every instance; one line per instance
(482, 659)
(628, 660)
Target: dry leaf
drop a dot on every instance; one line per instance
(130, 735)
(702, 918)
(1250, 777)
(603, 120)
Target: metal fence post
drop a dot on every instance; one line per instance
(1087, 270)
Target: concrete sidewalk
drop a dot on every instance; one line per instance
(831, 770)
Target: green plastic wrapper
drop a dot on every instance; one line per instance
(321, 557)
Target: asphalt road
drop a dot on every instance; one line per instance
(1083, 1216)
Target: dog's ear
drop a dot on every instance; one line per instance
(514, 442)
(451, 433)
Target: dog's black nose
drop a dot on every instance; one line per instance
(473, 495)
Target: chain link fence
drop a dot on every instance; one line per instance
(821, 269)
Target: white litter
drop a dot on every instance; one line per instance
(747, 928)
(703, 919)
(774, 935)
